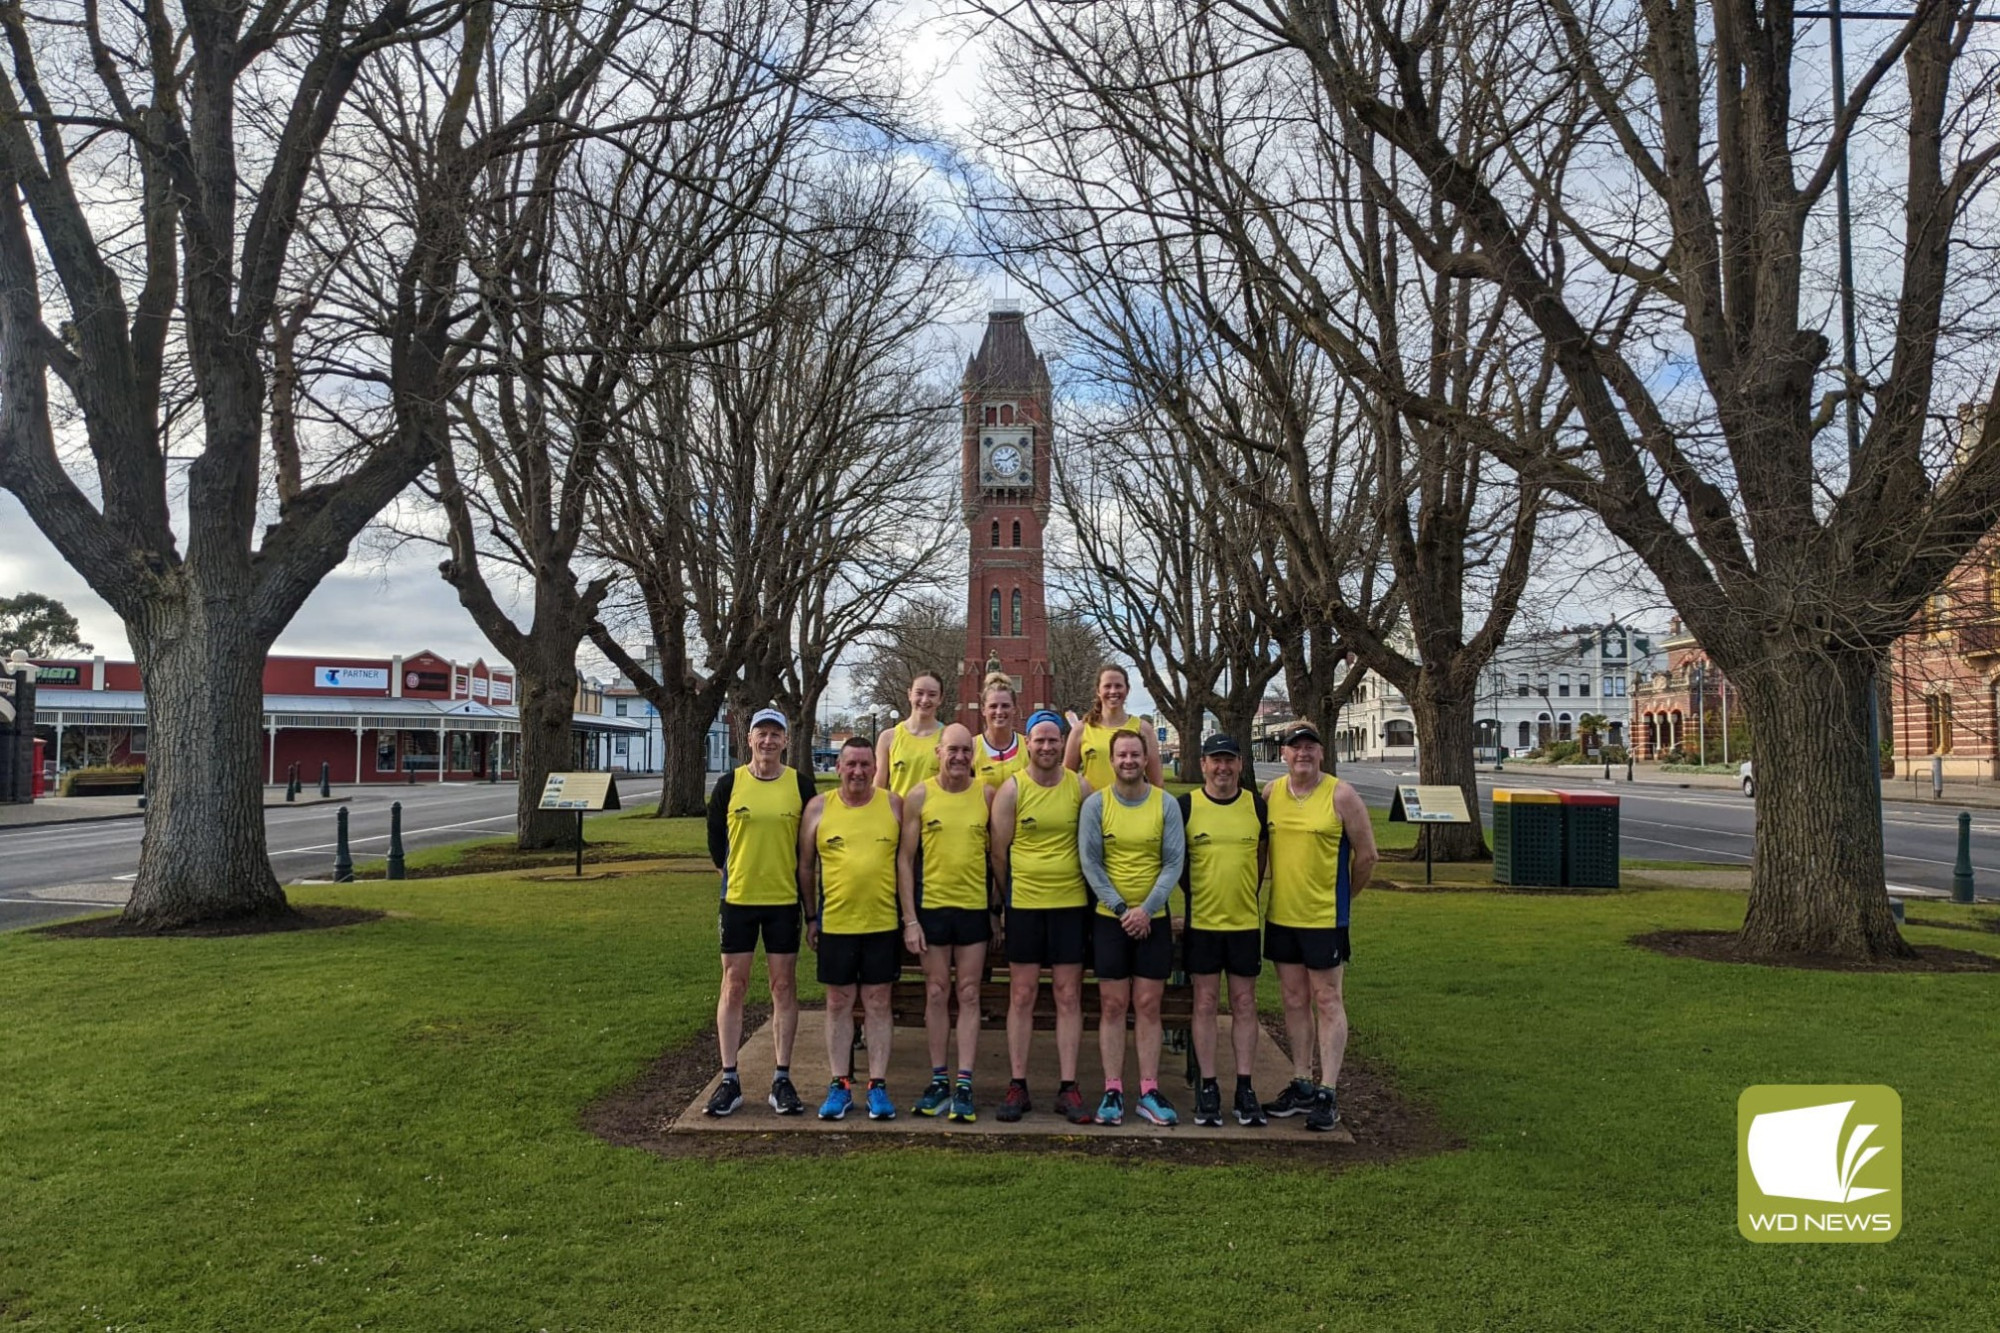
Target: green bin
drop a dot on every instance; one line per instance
(1590, 839)
(1527, 837)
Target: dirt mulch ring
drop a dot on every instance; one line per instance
(1387, 1126)
(1722, 946)
(311, 916)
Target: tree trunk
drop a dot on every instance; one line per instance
(805, 727)
(1235, 718)
(684, 722)
(1187, 763)
(1816, 884)
(204, 854)
(1444, 724)
(547, 701)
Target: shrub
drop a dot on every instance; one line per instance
(1561, 752)
(103, 780)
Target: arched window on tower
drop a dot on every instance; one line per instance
(996, 532)
(1007, 414)
(993, 612)
(1017, 613)
(992, 416)
(1017, 532)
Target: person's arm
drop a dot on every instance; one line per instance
(1090, 851)
(1073, 747)
(809, 866)
(906, 868)
(993, 897)
(882, 746)
(1361, 853)
(1153, 768)
(718, 819)
(1263, 837)
(1000, 835)
(1186, 803)
(1173, 856)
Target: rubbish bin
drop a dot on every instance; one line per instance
(1527, 837)
(1590, 839)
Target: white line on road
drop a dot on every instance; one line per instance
(383, 837)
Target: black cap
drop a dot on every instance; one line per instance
(1305, 731)
(1221, 744)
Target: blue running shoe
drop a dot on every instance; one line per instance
(961, 1105)
(880, 1106)
(838, 1098)
(1155, 1109)
(1111, 1111)
(935, 1097)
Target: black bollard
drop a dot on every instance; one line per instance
(343, 861)
(325, 778)
(396, 840)
(292, 783)
(1961, 873)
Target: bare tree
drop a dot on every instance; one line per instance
(926, 633)
(161, 176)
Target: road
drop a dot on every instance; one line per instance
(55, 871)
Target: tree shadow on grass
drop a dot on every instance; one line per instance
(1724, 946)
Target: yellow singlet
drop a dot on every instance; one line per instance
(1222, 845)
(857, 865)
(763, 865)
(1309, 887)
(954, 829)
(1132, 846)
(1042, 860)
(993, 771)
(1093, 761)
(912, 759)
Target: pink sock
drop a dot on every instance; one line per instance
(1147, 1085)
(1114, 1085)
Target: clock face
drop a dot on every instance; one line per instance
(1007, 461)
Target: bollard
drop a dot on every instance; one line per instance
(1628, 767)
(1896, 910)
(292, 783)
(395, 840)
(1937, 778)
(343, 861)
(325, 778)
(1961, 873)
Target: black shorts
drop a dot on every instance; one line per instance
(869, 959)
(1050, 936)
(1117, 956)
(954, 926)
(1321, 948)
(1231, 951)
(779, 926)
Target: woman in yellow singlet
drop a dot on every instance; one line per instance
(906, 753)
(1089, 751)
(1001, 752)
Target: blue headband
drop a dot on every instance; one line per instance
(1045, 715)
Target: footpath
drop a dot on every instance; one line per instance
(91, 809)
(1914, 790)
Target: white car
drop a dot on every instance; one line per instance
(1749, 782)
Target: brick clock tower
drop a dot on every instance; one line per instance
(1005, 464)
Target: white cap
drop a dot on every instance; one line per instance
(771, 715)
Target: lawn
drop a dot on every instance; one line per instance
(377, 1127)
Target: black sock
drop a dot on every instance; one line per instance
(729, 1074)
(876, 1083)
(1020, 1083)
(1066, 1085)
(782, 1071)
(1208, 1085)
(1242, 1082)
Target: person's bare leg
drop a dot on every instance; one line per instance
(970, 960)
(784, 970)
(1243, 1023)
(729, 1006)
(880, 1026)
(937, 1001)
(1113, 999)
(1297, 993)
(1024, 984)
(840, 1031)
(1207, 991)
(1146, 995)
(1332, 1009)
(1069, 1017)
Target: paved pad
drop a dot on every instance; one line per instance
(909, 1072)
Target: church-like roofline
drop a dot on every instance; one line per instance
(1006, 358)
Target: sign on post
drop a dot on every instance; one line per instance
(580, 792)
(1428, 805)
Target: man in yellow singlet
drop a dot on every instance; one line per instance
(1322, 853)
(1225, 868)
(906, 753)
(753, 839)
(947, 819)
(1130, 843)
(1048, 911)
(848, 868)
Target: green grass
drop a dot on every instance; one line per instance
(377, 1127)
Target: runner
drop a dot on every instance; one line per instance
(946, 821)
(1131, 845)
(1001, 752)
(1089, 751)
(1048, 911)
(906, 753)
(848, 866)
(1322, 852)
(753, 839)
(1226, 852)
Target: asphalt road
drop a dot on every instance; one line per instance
(55, 871)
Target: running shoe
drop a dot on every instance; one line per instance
(1015, 1104)
(934, 1098)
(838, 1098)
(1249, 1111)
(1069, 1105)
(785, 1098)
(1154, 1108)
(1296, 1099)
(1111, 1111)
(880, 1105)
(727, 1098)
(961, 1105)
(1208, 1104)
(1324, 1114)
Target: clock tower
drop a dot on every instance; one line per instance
(1005, 465)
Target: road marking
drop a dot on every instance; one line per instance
(384, 837)
(57, 902)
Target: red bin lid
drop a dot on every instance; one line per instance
(1586, 797)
